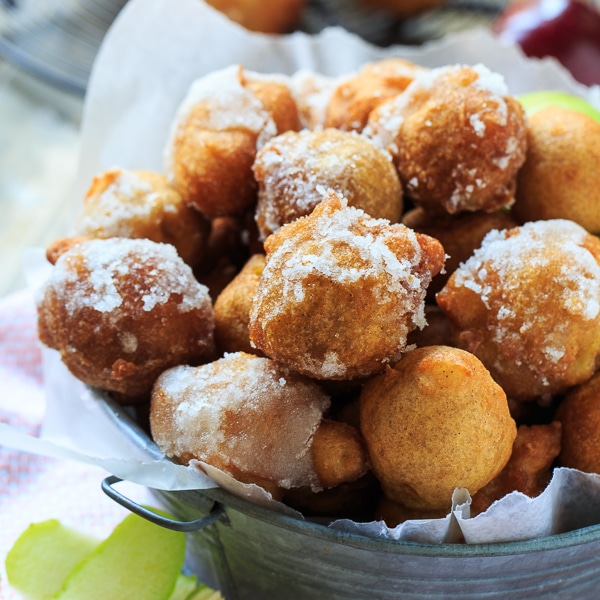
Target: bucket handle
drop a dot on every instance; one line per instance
(182, 526)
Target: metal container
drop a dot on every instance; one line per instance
(251, 552)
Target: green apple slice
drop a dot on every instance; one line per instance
(184, 586)
(138, 560)
(203, 592)
(534, 101)
(43, 556)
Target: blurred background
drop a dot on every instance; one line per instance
(47, 48)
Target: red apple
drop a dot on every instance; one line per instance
(568, 30)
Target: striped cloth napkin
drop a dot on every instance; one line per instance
(35, 488)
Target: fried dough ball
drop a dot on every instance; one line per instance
(457, 137)
(357, 95)
(460, 235)
(232, 308)
(141, 204)
(527, 303)
(215, 134)
(255, 420)
(340, 292)
(579, 415)
(433, 422)
(560, 178)
(294, 169)
(274, 16)
(120, 311)
(529, 469)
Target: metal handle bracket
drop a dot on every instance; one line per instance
(159, 519)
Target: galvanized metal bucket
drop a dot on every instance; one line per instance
(252, 553)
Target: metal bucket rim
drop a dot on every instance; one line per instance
(331, 534)
(123, 419)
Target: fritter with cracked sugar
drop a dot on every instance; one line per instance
(341, 291)
(225, 116)
(458, 139)
(292, 169)
(120, 311)
(527, 303)
(257, 421)
(142, 204)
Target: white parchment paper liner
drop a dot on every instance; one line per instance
(151, 55)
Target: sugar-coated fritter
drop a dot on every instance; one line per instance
(340, 292)
(214, 137)
(120, 311)
(141, 204)
(433, 422)
(255, 420)
(527, 303)
(355, 96)
(294, 169)
(560, 178)
(529, 468)
(460, 235)
(458, 139)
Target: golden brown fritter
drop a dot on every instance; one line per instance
(560, 178)
(357, 95)
(340, 292)
(233, 305)
(120, 311)
(215, 135)
(141, 204)
(294, 169)
(527, 303)
(458, 139)
(434, 422)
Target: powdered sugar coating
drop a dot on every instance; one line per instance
(113, 214)
(536, 321)
(243, 414)
(291, 168)
(578, 271)
(226, 104)
(108, 263)
(332, 284)
(457, 137)
(120, 311)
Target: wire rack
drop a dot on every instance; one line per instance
(57, 40)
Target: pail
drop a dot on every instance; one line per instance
(250, 552)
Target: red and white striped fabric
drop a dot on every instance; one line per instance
(34, 488)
